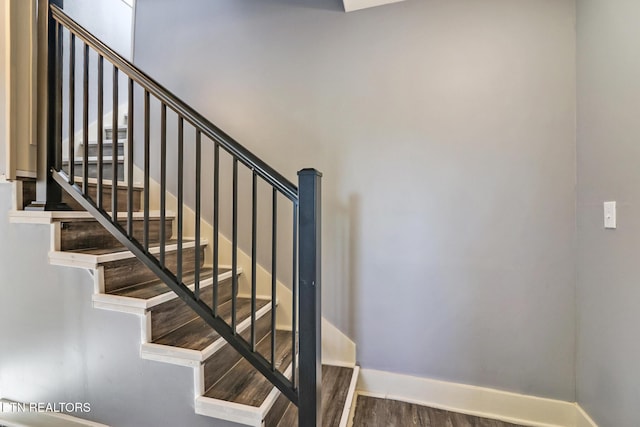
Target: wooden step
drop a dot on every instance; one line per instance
(338, 384)
(196, 334)
(121, 269)
(217, 366)
(170, 320)
(123, 273)
(107, 149)
(141, 297)
(87, 234)
(122, 132)
(242, 394)
(196, 342)
(107, 168)
(243, 384)
(107, 188)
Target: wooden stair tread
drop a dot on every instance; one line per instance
(153, 288)
(107, 183)
(335, 389)
(198, 335)
(243, 384)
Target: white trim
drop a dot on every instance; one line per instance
(351, 5)
(122, 185)
(42, 419)
(337, 348)
(230, 411)
(94, 159)
(345, 419)
(477, 401)
(139, 305)
(49, 217)
(273, 395)
(583, 419)
(80, 421)
(84, 260)
(171, 355)
(26, 174)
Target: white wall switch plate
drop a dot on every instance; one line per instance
(609, 214)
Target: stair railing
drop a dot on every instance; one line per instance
(303, 385)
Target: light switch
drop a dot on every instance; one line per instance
(609, 214)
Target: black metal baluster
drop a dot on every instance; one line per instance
(114, 148)
(100, 172)
(198, 207)
(130, 161)
(294, 290)
(146, 170)
(216, 220)
(274, 277)
(234, 250)
(180, 195)
(59, 113)
(85, 122)
(72, 103)
(254, 242)
(163, 181)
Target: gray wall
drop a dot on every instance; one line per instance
(608, 372)
(110, 20)
(446, 133)
(55, 347)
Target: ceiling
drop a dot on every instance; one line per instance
(351, 5)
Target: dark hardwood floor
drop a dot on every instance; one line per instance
(372, 411)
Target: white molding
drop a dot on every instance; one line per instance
(138, 305)
(42, 419)
(25, 174)
(84, 260)
(49, 217)
(583, 419)
(230, 411)
(349, 407)
(271, 398)
(477, 401)
(351, 5)
(337, 348)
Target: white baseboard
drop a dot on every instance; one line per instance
(477, 401)
(15, 418)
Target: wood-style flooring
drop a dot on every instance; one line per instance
(376, 412)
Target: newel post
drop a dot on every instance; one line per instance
(48, 193)
(310, 280)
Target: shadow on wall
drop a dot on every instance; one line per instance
(343, 294)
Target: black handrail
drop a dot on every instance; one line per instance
(250, 160)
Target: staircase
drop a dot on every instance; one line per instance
(251, 365)
(226, 386)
